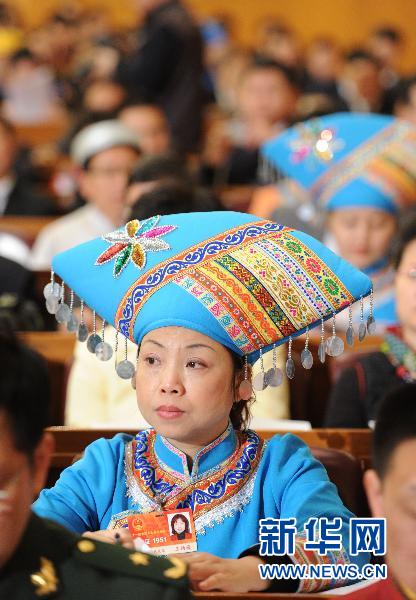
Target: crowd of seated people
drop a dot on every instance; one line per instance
(122, 147)
(102, 126)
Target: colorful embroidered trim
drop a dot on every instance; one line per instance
(311, 557)
(164, 272)
(201, 494)
(132, 243)
(121, 519)
(251, 294)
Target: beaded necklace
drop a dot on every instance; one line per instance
(400, 355)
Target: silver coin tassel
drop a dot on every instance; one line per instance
(306, 357)
(94, 338)
(103, 350)
(362, 329)
(322, 344)
(63, 313)
(259, 381)
(52, 293)
(245, 389)
(290, 363)
(371, 322)
(334, 344)
(274, 376)
(350, 334)
(82, 333)
(125, 368)
(72, 324)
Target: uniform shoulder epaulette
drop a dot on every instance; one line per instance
(129, 562)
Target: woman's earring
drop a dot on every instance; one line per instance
(244, 389)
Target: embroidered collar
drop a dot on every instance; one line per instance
(222, 480)
(174, 460)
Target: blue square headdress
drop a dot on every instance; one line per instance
(249, 284)
(347, 159)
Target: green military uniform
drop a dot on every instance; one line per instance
(50, 562)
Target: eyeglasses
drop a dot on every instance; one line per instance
(109, 172)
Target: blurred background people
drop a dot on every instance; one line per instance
(265, 105)
(356, 396)
(404, 105)
(151, 171)
(386, 44)
(167, 69)
(105, 153)
(150, 124)
(278, 42)
(360, 82)
(30, 95)
(18, 195)
(323, 64)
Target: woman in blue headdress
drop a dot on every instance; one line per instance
(357, 171)
(229, 288)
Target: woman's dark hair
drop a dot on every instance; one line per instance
(177, 518)
(240, 414)
(24, 392)
(173, 197)
(406, 235)
(167, 166)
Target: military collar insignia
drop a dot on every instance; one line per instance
(138, 558)
(45, 580)
(177, 571)
(131, 243)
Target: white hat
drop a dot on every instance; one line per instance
(101, 136)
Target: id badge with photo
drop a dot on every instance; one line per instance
(165, 532)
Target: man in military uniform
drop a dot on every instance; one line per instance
(40, 559)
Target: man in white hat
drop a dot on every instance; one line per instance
(105, 153)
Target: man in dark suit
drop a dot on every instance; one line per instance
(167, 69)
(17, 196)
(38, 558)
